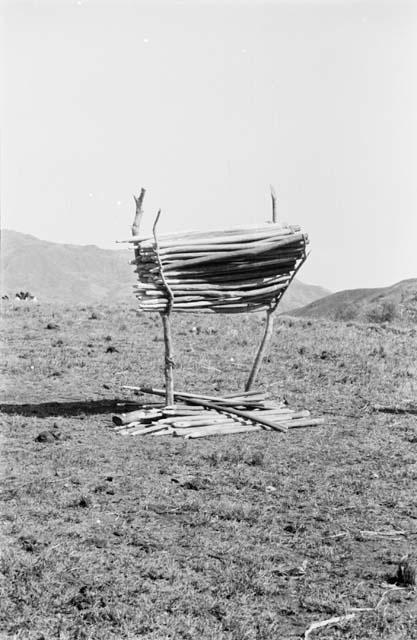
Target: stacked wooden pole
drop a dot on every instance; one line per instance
(198, 416)
(227, 271)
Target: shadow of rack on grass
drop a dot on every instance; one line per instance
(68, 409)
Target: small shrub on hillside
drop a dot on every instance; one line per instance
(385, 312)
(346, 313)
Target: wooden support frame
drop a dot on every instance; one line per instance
(166, 314)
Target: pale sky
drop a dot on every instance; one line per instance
(206, 105)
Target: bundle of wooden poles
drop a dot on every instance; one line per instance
(199, 416)
(226, 271)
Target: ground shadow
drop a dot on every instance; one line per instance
(67, 409)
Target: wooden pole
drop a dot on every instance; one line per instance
(269, 323)
(222, 409)
(269, 318)
(166, 323)
(139, 212)
(137, 220)
(268, 331)
(274, 204)
(169, 358)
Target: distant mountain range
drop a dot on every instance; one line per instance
(87, 274)
(385, 304)
(63, 272)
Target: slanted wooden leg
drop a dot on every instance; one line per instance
(262, 349)
(268, 329)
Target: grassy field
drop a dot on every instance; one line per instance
(244, 537)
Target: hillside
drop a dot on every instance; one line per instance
(70, 273)
(63, 272)
(300, 293)
(397, 302)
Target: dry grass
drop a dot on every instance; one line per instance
(230, 538)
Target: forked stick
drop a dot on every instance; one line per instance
(139, 212)
(137, 220)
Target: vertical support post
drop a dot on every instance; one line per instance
(166, 323)
(169, 358)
